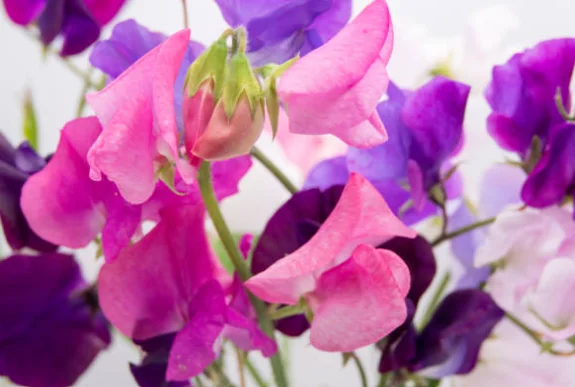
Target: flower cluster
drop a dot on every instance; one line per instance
(354, 256)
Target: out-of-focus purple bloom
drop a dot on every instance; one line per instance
(279, 30)
(77, 21)
(129, 42)
(16, 165)
(50, 331)
(288, 229)
(522, 96)
(451, 341)
(425, 129)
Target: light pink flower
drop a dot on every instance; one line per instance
(535, 279)
(139, 132)
(356, 292)
(335, 88)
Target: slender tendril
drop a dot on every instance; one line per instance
(270, 166)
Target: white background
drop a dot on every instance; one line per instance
(56, 91)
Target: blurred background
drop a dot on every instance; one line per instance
(468, 37)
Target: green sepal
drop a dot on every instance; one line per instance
(271, 73)
(438, 195)
(346, 357)
(167, 174)
(211, 65)
(240, 79)
(30, 124)
(534, 154)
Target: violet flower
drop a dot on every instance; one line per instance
(522, 96)
(77, 21)
(279, 30)
(50, 331)
(16, 165)
(425, 129)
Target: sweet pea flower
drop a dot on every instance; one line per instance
(16, 166)
(64, 206)
(129, 42)
(77, 21)
(335, 88)
(140, 133)
(534, 253)
(50, 330)
(426, 128)
(165, 283)
(355, 291)
(279, 30)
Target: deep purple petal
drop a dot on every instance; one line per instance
(521, 93)
(554, 175)
(434, 114)
(327, 174)
(454, 335)
(49, 332)
(418, 255)
(79, 29)
(24, 12)
(51, 20)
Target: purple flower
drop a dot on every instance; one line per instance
(129, 42)
(287, 230)
(16, 165)
(522, 97)
(425, 129)
(451, 341)
(78, 21)
(50, 329)
(279, 30)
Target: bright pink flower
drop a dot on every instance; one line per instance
(335, 88)
(140, 133)
(66, 207)
(165, 283)
(356, 292)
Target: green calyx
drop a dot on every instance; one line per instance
(209, 67)
(241, 80)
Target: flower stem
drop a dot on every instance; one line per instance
(211, 203)
(255, 374)
(360, 368)
(545, 346)
(241, 361)
(462, 230)
(286, 311)
(185, 13)
(435, 299)
(270, 166)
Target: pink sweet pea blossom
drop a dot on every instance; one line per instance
(355, 291)
(535, 255)
(66, 207)
(166, 283)
(140, 133)
(335, 88)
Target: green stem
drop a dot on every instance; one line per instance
(462, 230)
(198, 381)
(211, 203)
(545, 346)
(435, 299)
(270, 166)
(82, 101)
(223, 379)
(255, 374)
(286, 311)
(185, 12)
(360, 368)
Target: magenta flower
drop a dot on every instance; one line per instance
(77, 21)
(165, 283)
(335, 88)
(355, 291)
(64, 206)
(50, 331)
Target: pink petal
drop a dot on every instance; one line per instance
(60, 202)
(361, 216)
(360, 301)
(246, 334)
(139, 121)
(195, 345)
(145, 292)
(24, 12)
(104, 10)
(335, 88)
